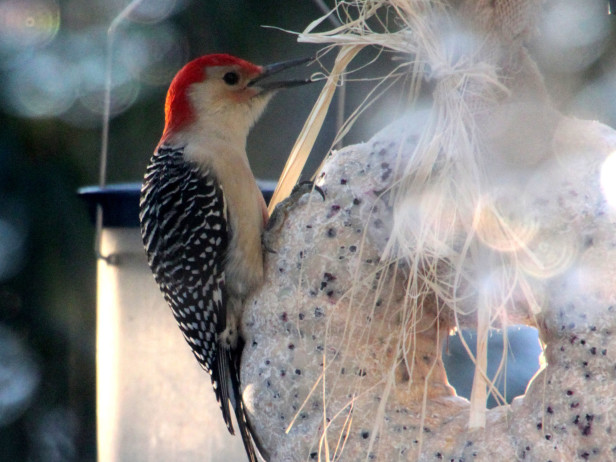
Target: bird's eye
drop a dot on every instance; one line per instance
(231, 78)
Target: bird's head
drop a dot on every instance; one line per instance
(220, 90)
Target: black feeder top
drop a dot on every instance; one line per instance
(120, 202)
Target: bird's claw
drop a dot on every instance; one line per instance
(279, 215)
(265, 242)
(305, 187)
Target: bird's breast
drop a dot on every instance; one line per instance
(244, 265)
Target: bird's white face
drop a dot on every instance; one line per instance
(217, 99)
(226, 96)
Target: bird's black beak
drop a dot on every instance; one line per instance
(275, 68)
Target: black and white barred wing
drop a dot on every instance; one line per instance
(184, 230)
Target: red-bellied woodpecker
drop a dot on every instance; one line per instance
(202, 214)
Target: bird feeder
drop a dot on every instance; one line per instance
(154, 402)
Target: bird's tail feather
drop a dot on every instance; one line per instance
(222, 385)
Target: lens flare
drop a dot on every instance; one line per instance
(428, 224)
(502, 229)
(549, 255)
(28, 23)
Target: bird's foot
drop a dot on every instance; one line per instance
(279, 215)
(228, 338)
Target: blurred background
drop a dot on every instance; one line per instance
(52, 75)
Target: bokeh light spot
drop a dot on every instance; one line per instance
(549, 255)
(41, 86)
(50, 74)
(595, 100)
(501, 229)
(573, 35)
(153, 56)
(153, 11)
(27, 23)
(12, 241)
(122, 97)
(19, 377)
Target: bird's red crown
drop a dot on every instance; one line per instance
(178, 111)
